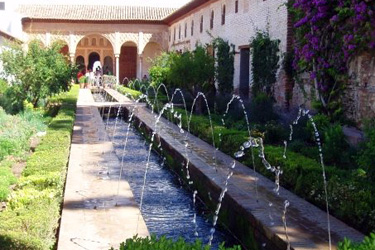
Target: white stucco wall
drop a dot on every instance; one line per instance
(238, 29)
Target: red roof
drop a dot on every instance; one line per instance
(94, 12)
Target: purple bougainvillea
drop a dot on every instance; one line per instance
(327, 35)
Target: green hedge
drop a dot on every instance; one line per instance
(31, 218)
(163, 243)
(6, 179)
(367, 244)
(350, 193)
(135, 94)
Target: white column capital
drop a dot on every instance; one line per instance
(140, 42)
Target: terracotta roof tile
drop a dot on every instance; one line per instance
(94, 12)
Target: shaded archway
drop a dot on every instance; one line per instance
(150, 51)
(128, 61)
(108, 65)
(80, 62)
(93, 57)
(94, 47)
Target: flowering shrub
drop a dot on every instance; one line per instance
(328, 34)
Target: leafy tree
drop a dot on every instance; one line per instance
(35, 75)
(193, 71)
(265, 63)
(160, 69)
(224, 70)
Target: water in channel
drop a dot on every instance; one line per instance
(167, 207)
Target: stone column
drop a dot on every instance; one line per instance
(48, 39)
(72, 57)
(139, 71)
(139, 58)
(117, 56)
(72, 47)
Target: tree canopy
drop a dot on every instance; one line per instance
(34, 75)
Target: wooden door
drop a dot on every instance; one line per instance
(128, 63)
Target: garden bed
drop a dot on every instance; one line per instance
(31, 218)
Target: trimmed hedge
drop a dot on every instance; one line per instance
(367, 244)
(163, 243)
(6, 178)
(135, 94)
(349, 193)
(31, 218)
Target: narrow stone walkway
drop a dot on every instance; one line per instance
(252, 194)
(93, 216)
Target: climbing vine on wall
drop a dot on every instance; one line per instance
(265, 63)
(225, 65)
(327, 35)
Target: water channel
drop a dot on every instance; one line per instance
(168, 208)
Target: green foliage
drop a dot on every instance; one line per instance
(36, 75)
(31, 219)
(349, 193)
(328, 34)
(134, 94)
(6, 179)
(163, 243)
(335, 145)
(224, 70)
(15, 132)
(272, 132)
(160, 68)
(3, 86)
(261, 109)
(367, 244)
(193, 71)
(366, 155)
(265, 63)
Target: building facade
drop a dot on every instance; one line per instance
(122, 38)
(126, 38)
(236, 21)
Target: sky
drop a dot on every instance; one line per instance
(157, 3)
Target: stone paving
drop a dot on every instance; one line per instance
(94, 216)
(253, 193)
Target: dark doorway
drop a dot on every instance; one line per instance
(244, 73)
(93, 57)
(128, 62)
(80, 62)
(108, 66)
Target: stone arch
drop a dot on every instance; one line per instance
(60, 38)
(128, 38)
(86, 47)
(128, 60)
(151, 50)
